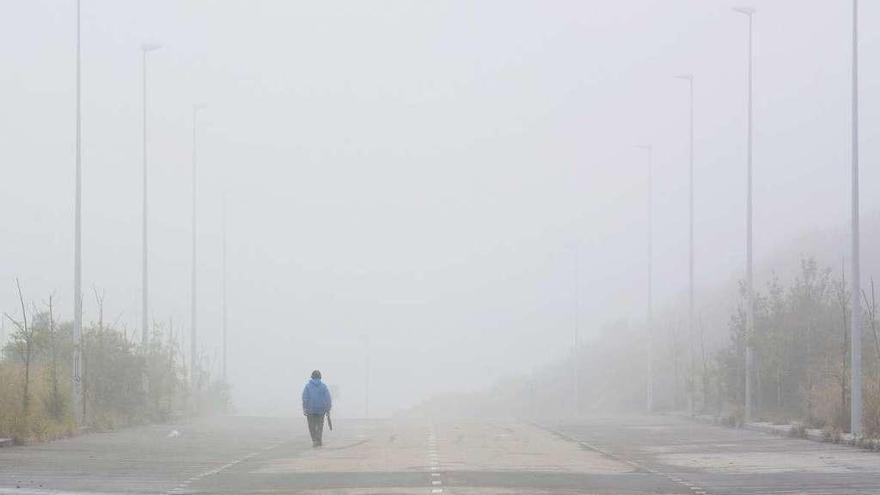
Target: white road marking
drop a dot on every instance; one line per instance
(433, 459)
(180, 488)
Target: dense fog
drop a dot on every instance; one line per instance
(422, 198)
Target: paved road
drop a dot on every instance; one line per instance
(151, 459)
(253, 456)
(620, 455)
(715, 460)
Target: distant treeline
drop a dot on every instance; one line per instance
(801, 359)
(124, 382)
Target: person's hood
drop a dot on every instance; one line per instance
(315, 382)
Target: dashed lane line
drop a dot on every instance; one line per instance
(433, 460)
(184, 485)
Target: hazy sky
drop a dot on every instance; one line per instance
(415, 172)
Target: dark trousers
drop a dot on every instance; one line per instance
(316, 427)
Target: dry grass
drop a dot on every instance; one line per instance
(37, 424)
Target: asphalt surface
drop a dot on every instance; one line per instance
(715, 460)
(620, 455)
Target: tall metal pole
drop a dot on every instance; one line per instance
(750, 279)
(145, 304)
(366, 376)
(193, 308)
(145, 292)
(856, 319)
(224, 288)
(77, 244)
(691, 255)
(651, 275)
(750, 299)
(649, 393)
(690, 79)
(577, 324)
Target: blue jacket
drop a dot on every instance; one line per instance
(316, 397)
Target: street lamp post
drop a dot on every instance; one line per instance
(77, 244)
(690, 80)
(224, 283)
(366, 376)
(856, 320)
(145, 294)
(193, 308)
(577, 329)
(649, 393)
(750, 300)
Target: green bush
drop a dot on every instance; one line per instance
(124, 382)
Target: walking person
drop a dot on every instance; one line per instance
(316, 404)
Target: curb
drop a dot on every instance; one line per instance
(795, 430)
(792, 431)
